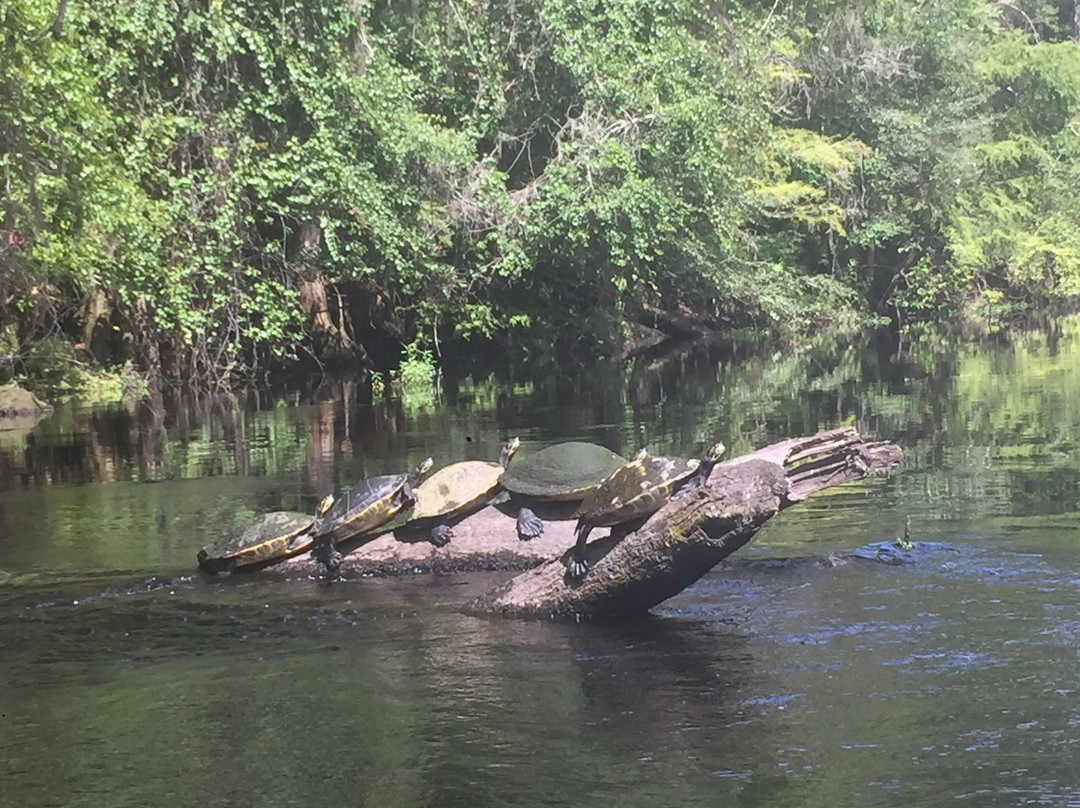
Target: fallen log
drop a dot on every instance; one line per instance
(675, 547)
(690, 535)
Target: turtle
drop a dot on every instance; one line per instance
(265, 540)
(368, 505)
(638, 489)
(564, 472)
(456, 490)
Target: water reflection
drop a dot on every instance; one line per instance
(816, 681)
(675, 402)
(386, 696)
(1001, 417)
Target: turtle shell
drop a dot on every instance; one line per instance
(264, 540)
(369, 504)
(641, 487)
(459, 488)
(638, 488)
(565, 471)
(455, 489)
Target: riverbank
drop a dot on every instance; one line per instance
(179, 197)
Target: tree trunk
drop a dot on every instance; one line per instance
(330, 320)
(57, 27)
(147, 349)
(675, 547)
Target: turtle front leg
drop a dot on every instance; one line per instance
(529, 525)
(441, 535)
(326, 554)
(578, 566)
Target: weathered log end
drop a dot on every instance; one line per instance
(690, 535)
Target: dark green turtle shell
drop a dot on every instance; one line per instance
(459, 488)
(369, 504)
(640, 487)
(565, 471)
(264, 540)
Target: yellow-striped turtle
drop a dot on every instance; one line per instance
(263, 541)
(565, 472)
(367, 506)
(641, 487)
(456, 490)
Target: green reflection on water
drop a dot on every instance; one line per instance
(1001, 416)
(800, 683)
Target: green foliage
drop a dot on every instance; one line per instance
(414, 382)
(417, 368)
(107, 387)
(546, 165)
(1016, 229)
(969, 114)
(812, 179)
(51, 367)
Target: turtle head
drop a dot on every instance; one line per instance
(321, 511)
(418, 473)
(324, 506)
(709, 459)
(714, 453)
(642, 453)
(508, 451)
(705, 465)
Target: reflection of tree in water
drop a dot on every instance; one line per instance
(667, 686)
(588, 709)
(671, 401)
(185, 439)
(934, 392)
(79, 457)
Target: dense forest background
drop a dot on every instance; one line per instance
(212, 191)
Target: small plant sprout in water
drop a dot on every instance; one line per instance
(418, 369)
(904, 542)
(415, 382)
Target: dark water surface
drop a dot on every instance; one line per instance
(795, 675)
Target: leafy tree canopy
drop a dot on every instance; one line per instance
(213, 189)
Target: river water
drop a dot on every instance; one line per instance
(794, 675)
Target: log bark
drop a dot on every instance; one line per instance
(678, 323)
(632, 573)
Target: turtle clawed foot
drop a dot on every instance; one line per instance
(330, 559)
(441, 535)
(529, 525)
(333, 564)
(578, 567)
